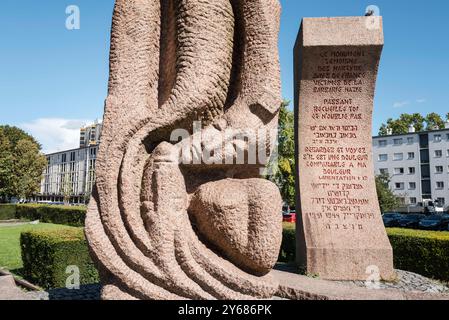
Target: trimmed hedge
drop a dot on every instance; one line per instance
(66, 215)
(7, 212)
(47, 254)
(288, 247)
(422, 252)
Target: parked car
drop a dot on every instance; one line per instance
(410, 220)
(290, 216)
(391, 219)
(437, 222)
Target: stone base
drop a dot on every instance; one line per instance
(351, 264)
(9, 290)
(298, 287)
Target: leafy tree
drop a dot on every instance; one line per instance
(401, 125)
(6, 164)
(447, 116)
(66, 188)
(21, 163)
(434, 121)
(284, 171)
(387, 200)
(28, 166)
(15, 134)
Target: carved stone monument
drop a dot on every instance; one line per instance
(340, 235)
(161, 228)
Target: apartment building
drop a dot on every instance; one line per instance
(418, 164)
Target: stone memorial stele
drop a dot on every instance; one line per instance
(161, 228)
(340, 233)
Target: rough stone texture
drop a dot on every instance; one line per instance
(9, 290)
(174, 62)
(298, 287)
(236, 216)
(340, 235)
(409, 281)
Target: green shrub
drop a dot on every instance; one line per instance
(7, 211)
(66, 215)
(422, 252)
(287, 253)
(47, 254)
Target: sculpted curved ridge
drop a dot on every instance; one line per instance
(150, 223)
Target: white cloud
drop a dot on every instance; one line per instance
(421, 100)
(56, 134)
(400, 104)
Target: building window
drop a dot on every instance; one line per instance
(447, 136)
(399, 185)
(64, 158)
(412, 186)
(382, 143)
(439, 169)
(447, 152)
(441, 201)
(399, 171)
(72, 156)
(413, 201)
(384, 172)
(437, 138)
(411, 170)
(440, 185)
(410, 140)
(383, 157)
(398, 142)
(411, 155)
(438, 153)
(398, 156)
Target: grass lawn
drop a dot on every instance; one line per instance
(10, 256)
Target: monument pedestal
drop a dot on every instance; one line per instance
(340, 233)
(362, 263)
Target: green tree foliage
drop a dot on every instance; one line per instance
(6, 166)
(284, 171)
(387, 200)
(434, 121)
(447, 116)
(401, 125)
(21, 163)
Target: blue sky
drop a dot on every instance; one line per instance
(52, 80)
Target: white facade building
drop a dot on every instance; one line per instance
(70, 175)
(417, 163)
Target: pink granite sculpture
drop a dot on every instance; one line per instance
(159, 228)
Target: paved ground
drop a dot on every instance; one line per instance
(86, 292)
(408, 282)
(15, 223)
(9, 290)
